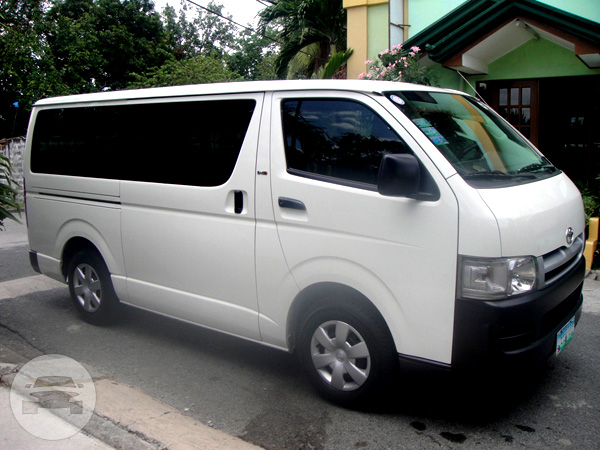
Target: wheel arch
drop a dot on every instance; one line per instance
(72, 247)
(325, 294)
(78, 234)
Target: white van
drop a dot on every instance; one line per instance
(365, 225)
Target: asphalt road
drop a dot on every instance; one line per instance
(258, 393)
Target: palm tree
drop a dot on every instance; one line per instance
(310, 31)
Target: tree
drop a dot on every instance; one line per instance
(206, 49)
(26, 72)
(316, 25)
(253, 56)
(216, 34)
(72, 46)
(99, 44)
(204, 69)
(61, 47)
(335, 65)
(181, 35)
(206, 34)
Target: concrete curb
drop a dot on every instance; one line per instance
(124, 418)
(13, 436)
(28, 285)
(143, 415)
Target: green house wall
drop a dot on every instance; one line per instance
(422, 13)
(535, 59)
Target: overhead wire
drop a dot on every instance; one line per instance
(221, 16)
(208, 10)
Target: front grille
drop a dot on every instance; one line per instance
(558, 262)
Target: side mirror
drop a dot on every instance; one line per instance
(399, 175)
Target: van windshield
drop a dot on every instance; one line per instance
(483, 149)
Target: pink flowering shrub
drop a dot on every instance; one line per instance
(398, 64)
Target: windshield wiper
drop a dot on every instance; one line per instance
(494, 174)
(486, 174)
(537, 167)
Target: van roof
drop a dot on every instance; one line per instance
(240, 87)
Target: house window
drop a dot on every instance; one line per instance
(516, 101)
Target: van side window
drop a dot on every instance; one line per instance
(341, 141)
(189, 143)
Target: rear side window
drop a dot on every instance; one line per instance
(188, 143)
(340, 141)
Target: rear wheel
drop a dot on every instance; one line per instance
(347, 353)
(90, 286)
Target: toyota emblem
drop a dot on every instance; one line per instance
(570, 234)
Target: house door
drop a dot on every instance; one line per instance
(517, 102)
(559, 115)
(569, 132)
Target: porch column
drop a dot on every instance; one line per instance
(359, 36)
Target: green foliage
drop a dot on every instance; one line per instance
(302, 66)
(398, 64)
(304, 23)
(97, 44)
(591, 199)
(72, 46)
(334, 65)
(253, 56)
(26, 73)
(206, 69)
(8, 193)
(180, 34)
(62, 47)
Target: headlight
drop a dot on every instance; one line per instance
(496, 278)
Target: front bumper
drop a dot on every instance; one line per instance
(517, 331)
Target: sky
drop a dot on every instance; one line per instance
(243, 11)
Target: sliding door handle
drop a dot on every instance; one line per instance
(238, 202)
(291, 204)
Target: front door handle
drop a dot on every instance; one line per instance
(291, 204)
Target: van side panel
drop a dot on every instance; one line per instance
(53, 221)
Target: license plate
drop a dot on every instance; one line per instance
(565, 335)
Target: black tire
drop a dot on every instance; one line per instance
(90, 287)
(356, 370)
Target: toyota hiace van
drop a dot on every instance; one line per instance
(364, 225)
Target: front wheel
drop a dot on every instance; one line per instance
(90, 287)
(348, 354)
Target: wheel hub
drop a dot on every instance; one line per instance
(340, 355)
